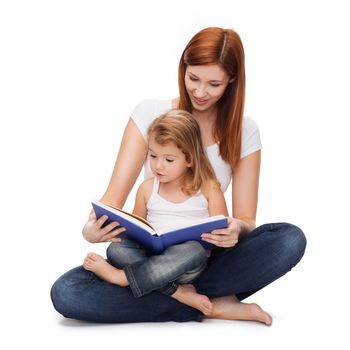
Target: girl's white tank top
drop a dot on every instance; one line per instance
(162, 213)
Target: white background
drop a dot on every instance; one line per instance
(71, 72)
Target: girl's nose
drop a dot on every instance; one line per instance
(159, 163)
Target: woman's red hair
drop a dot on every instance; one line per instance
(222, 47)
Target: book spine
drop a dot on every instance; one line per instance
(192, 234)
(157, 243)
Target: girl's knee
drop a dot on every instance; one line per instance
(112, 251)
(193, 245)
(195, 249)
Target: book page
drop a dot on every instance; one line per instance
(134, 216)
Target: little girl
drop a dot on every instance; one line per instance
(184, 187)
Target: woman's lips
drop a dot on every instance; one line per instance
(200, 101)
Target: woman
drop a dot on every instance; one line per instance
(212, 88)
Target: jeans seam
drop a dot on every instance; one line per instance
(132, 282)
(170, 290)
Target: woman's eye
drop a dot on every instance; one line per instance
(215, 85)
(152, 155)
(193, 79)
(170, 160)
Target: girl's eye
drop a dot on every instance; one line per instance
(215, 85)
(193, 79)
(152, 155)
(170, 160)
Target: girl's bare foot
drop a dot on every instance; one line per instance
(230, 308)
(100, 267)
(187, 294)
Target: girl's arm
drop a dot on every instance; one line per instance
(131, 156)
(245, 185)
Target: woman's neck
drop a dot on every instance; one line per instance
(206, 122)
(206, 117)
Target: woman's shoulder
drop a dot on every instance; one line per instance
(249, 125)
(151, 107)
(147, 110)
(251, 141)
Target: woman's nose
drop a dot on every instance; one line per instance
(199, 92)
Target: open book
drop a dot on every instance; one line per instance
(140, 230)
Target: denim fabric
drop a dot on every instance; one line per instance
(180, 263)
(266, 254)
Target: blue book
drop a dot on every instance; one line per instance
(140, 230)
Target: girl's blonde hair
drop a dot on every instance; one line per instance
(223, 47)
(180, 127)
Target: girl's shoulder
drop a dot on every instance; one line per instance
(146, 188)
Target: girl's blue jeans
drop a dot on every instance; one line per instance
(181, 263)
(266, 254)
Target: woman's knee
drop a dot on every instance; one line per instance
(292, 240)
(65, 290)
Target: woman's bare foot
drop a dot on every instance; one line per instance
(187, 294)
(100, 267)
(230, 308)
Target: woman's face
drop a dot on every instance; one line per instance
(205, 85)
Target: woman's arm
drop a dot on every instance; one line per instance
(245, 185)
(130, 159)
(131, 156)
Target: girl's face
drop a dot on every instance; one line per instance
(205, 84)
(167, 162)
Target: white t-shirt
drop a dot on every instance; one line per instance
(148, 110)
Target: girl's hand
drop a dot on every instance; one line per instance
(93, 232)
(224, 238)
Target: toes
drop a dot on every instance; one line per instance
(268, 320)
(94, 257)
(207, 306)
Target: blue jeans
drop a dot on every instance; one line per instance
(181, 263)
(266, 254)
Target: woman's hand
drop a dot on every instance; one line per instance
(93, 232)
(224, 238)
